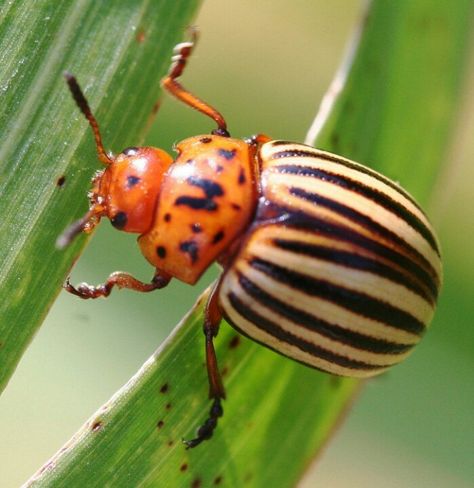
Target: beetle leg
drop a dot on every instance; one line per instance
(120, 279)
(181, 54)
(212, 320)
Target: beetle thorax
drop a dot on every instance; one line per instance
(207, 200)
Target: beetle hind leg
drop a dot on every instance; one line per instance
(216, 388)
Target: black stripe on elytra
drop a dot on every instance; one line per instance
(302, 221)
(210, 188)
(359, 303)
(361, 219)
(366, 191)
(314, 153)
(197, 203)
(284, 336)
(354, 261)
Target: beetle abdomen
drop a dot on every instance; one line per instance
(341, 268)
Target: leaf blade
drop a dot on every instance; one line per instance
(35, 208)
(199, 464)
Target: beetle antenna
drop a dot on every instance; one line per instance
(182, 51)
(85, 109)
(85, 224)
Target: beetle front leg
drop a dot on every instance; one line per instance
(121, 280)
(212, 320)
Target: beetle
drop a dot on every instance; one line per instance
(324, 260)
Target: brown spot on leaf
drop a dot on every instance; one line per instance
(234, 342)
(60, 181)
(196, 483)
(164, 388)
(160, 424)
(140, 37)
(155, 108)
(96, 426)
(183, 467)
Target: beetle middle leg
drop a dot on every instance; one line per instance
(121, 280)
(212, 320)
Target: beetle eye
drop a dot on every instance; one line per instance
(119, 220)
(130, 151)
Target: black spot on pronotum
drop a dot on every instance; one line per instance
(164, 388)
(161, 252)
(197, 203)
(235, 206)
(205, 140)
(160, 424)
(167, 217)
(119, 220)
(196, 228)
(191, 248)
(242, 178)
(234, 342)
(228, 154)
(130, 151)
(132, 181)
(210, 188)
(61, 180)
(219, 169)
(96, 426)
(183, 467)
(218, 236)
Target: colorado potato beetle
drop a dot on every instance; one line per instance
(324, 260)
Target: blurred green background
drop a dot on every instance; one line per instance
(265, 65)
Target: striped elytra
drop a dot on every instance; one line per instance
(340, 268)
(324, 260)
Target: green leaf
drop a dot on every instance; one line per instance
(278, 413)
(397, 108)
(119, 50)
